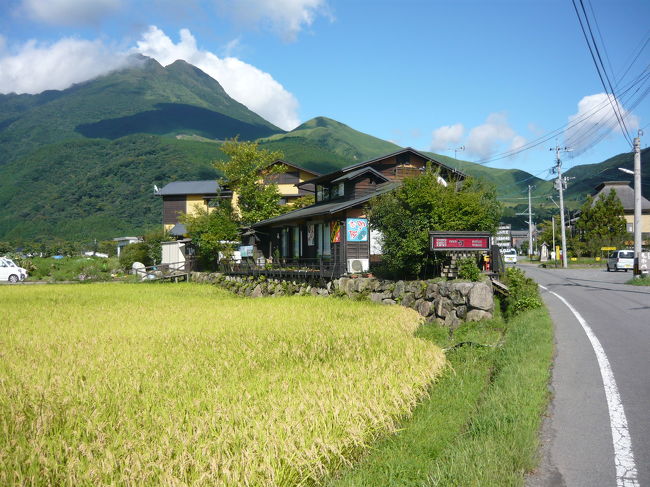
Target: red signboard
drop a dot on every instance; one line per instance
(460, 241)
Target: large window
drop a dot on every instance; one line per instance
(296, 241)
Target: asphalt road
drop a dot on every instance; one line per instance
(578, 449)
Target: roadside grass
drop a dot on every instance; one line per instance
(642, 281)
(124, 384)
(479, 425)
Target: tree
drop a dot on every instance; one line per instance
(243, 172)
(212, 231)
(602, 223)
(406, 215)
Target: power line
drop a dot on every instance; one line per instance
(600, 68)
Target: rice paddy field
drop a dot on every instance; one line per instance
(136, 384)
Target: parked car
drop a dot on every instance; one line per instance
(10, 272)
(509, 256)
(620, 259)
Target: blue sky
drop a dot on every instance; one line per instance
(492, 76)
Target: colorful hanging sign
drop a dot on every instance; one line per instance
(311, 231)
(356, 230)
(335, 232)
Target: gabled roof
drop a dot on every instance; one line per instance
(325, 208)
(360, 172)
(206, 187)
(624, 192)
(295, 166)
(336, 174)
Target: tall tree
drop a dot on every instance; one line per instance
(406, 215)
(602, 223)
(244, 174)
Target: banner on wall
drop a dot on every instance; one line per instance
(356, 229)
(335, 232)
(310, 235)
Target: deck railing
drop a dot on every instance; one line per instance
(285, 268)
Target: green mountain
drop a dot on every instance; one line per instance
(323, 144)
(583, 179)
(143, 98)
(80, 163)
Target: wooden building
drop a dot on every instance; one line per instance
(187, 197)
(334, 229)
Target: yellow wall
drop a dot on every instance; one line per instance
(193, 203)
(645, 222)
(288, 189)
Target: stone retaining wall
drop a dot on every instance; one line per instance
(447, 302)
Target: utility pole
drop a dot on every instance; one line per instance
(560, 182)
(530, 226)
(637, 200)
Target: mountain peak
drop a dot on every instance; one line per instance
(320, 122)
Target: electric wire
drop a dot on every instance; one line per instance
(600, 67)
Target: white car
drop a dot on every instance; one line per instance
(509, 256)
(9, 271)
(620, 259)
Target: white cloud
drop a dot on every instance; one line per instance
(70, 12)
(37, 67)
(244, 82)
(285, 17)
(444, 137)
(485, 139)
(594, 120)
(517, 143)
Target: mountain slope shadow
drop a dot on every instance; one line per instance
(169, 118)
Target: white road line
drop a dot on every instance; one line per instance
(626, 475)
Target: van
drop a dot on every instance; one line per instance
(620, 259)
(509, 256)
(9, 273)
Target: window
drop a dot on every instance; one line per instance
(284, 242)
(630, 227)
(319, 193)
(296, 241)
(338, 190)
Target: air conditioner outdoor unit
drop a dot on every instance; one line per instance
(356, 266)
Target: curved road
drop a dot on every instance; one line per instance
(577, 438)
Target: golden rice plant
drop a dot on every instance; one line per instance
(132, 384)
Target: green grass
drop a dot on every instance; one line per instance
(71, 268)
(479, 425)
(642, 281)
(137, 384)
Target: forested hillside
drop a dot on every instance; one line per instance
(80, 163)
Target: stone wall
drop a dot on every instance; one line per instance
(447, 302)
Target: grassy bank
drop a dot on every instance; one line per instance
(185, 384)
(641, 281)
(479, 426)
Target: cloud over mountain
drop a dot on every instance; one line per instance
(244, 82)
(35, 67)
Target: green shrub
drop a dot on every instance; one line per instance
(524, 293)
(467, 269)
(137, 252)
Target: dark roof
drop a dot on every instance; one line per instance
(295, 166)
(178, 230)
(624, 192)
(207, 187)
(336, 174)
(325, 208)
(360, 172)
